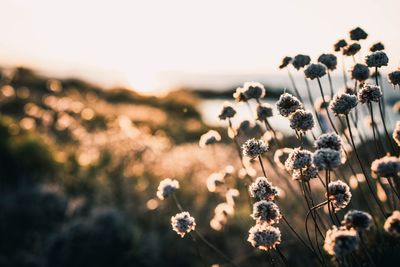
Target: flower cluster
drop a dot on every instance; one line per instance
(388, 167)
(377, 59)
(209, 138)
(343, 103)
(298, 159)
(166, 188)
(329, 60)
(301, 120)
(227, 112)
(360, 72)
(369, 93)
(392, 224)
(315, 71)
(266, 212)
(329, 140)
(358, 220)
(182, 223)
(340, 242)
(288, 104)
(327, 158)
(396, 133)
(339, 194)
(254, 148)
(300, 61)
(264, 111)
(262, 189)
(264, 237)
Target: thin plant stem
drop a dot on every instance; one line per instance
(325, 106)
(385, 128)
(262, 166)
(285, 261)
(330, 83)
(371, 112)
(328, 196)
(294, 85)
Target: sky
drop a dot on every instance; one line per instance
(152, 45)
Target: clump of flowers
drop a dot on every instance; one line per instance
(358, 34)
(352, 49)
(343, 103)
(262, 189)
(360, 72)
(377, 47)
(301, 120)
(388, 167)
(239, 96)
(315, 71)
(298, 159)
(329, 140)
(287, 104)
(264, 111)
(306, 174)
(227, 111)
(266, 212)
(392, 224)
(369, 93)
(329, 60)
(253, 90)
(394, 77)
(300, 61)
(339, 194)
(214, 181)
(254, 148)
(285, 61)
(281, 155)
(377, 59)
(358, 220)
(209, 138)
(396, 133)
(166, 188)
(182, 223)
(326, 158)
(264, 237)
(340, 242)
(339, 45)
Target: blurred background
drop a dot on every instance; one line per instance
(100, 100)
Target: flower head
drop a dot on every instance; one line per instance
(305, 174)
(329, 140)
(239, 96)
(377, 47)
(329, 60)
(183, 223)
(339, 45)
(369, 93)
(388, 167)
(301, 120)
(396, 133)
(358, 34)
(266, 212)
(300, 61)
(281, 155)
(394, 77)
(340, 242)
(262, 189)
(285, 61)
(227, 111)
(339, 194)
(343, 103)
(327, 158)
(264, 237)
(264, 111)
(166, 188)
(254, 148)
(287, 104)
(298, 159)
(214, 181)
(352, 49)
(253, 90)
(315, 71)
(392, 224)
(359, 220)
(377, 59)
(209, 138)
(360, 72)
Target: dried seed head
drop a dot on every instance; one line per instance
(377, 47)
(253, 90)
(264, 111)
(227, 111)
(394, 77)
(306, 174)
(281, 155)
(287, 104)
(301, 120)
(266, 212)
(358, 34)
(285, 61)
(183, 223)
(315, 71)
(392, 224)
(215, 181)
(262, 189)
(352, 49)
(209, 138)
(343, 103)
(298, 159)
(369, 93)
(339, 45)
(340, 242)
(327, 158)
(300, 61)
(264, 237)
(329, 60)
(329, 140)
(239, 96)
(377, 59)
(166, 188)
(359, 220)
(339, 194)
(388, 167)
(254, 148)
(360, 72)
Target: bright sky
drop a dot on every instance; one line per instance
(147, 44)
